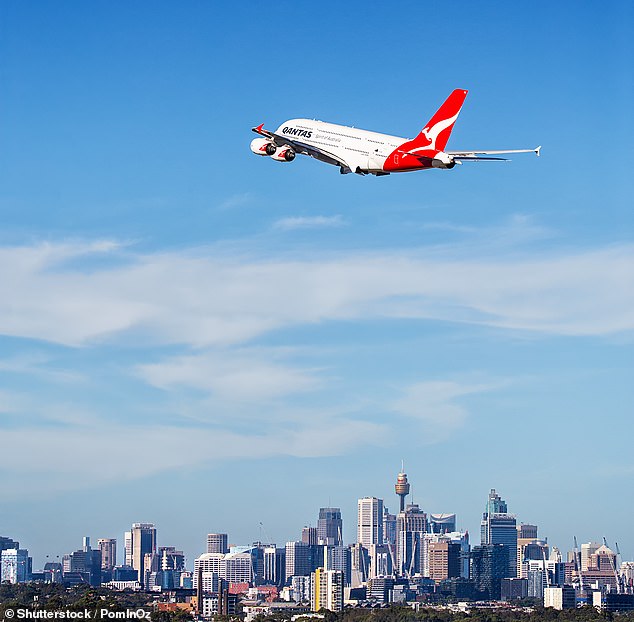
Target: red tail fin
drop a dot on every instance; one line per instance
(436, 133)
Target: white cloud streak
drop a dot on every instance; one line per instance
(292, 223)
(214, 305)
(202, 299)
(435, 406)
(244, 375)
(63, 458)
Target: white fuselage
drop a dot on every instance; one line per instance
(358, 148)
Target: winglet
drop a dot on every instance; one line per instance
(258, 129)
(537, 150)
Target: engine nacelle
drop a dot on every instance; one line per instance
(284, 154)
(263, 147)
(443, 160)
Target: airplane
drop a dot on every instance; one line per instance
(363, 152)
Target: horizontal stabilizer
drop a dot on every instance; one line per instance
(477, 153)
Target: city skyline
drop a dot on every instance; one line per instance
(188, 332)
(426, 554)
(364, 536)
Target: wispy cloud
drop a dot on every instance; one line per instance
(433, 410)
(515, 232)
(236, 200)
(292, 223)
(37, 364)
(435, 406)
(242, 375)
(204, 299)
(164, 448)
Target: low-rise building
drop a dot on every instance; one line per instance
(562, 597)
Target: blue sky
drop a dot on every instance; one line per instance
(208, 340)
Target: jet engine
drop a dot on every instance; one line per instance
(263, 147)
(284, 154)
(443, 160)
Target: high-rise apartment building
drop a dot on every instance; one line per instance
(143, 542)
(15, 566)
(500, 527)
(8, 543)
(327, 590)
(563, 597)
(108, 548)
(370, 521)
(217, 543)
(330, 526)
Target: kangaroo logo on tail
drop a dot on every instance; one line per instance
(435, 134)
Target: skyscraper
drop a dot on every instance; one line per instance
(359, 565)
(8, 543)
(389, 527)
(587, 550)
(500, 527)
(207, 568)
(338, 558)
(108, 548)
(309, 535)
(15, 565)
(217, 543)
(443, 560)
(274, 566)
(370, 521)
(298, 559)
(127, 548)
(411, 525)
(330, 526)
(86, 564)
(489, 565)
(143, 538)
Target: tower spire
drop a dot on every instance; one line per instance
(402, 486)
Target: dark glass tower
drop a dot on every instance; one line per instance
(500, 527)
(489, 565)
(330, 526)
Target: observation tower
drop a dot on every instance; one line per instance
(402, 487)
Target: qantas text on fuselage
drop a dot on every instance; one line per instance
(360, 151)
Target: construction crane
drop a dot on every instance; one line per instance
(578, 565)
(545, 567)
(613, 565)
(616, 561)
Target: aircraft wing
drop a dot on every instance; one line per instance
(303, 148)
(486, 155)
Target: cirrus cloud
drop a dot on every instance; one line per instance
(203, 298)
